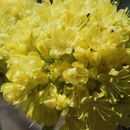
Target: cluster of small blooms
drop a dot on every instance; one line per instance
(69, 58)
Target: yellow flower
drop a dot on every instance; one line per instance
(14, 7)
(61, 102)
(76, 75)
(61, 42)
(69, 58)
(26, 70)
(57, 70)
(9, 89)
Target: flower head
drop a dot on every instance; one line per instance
(68, 58)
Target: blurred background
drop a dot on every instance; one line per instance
(124, 3)
(12, 119)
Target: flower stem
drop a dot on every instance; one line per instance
(48, 127)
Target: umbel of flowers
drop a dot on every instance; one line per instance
(67, 59)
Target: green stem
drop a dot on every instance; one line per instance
(48, 127)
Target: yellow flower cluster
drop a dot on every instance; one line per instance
(69, 58)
